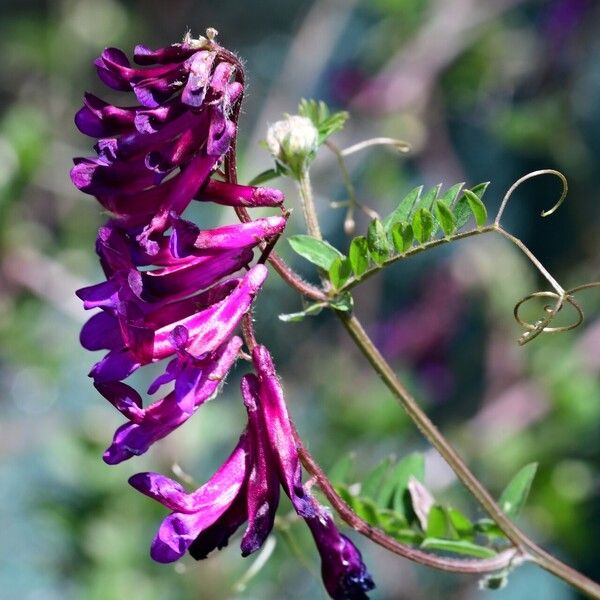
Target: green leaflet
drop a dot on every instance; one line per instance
(402, 236)
(265, 176)
(445, 218)
(375, 479)
(359, 256)
(341, 471)
(309, 311)
(377, 242)
(428, 198)
(439, 524)
(477, 208)
(394, 491)
(326, 122)
(462, 210)
(404, 209)
(339, 272)
(422, 225)
(316, 251)
(458, 547)
(451, 195)
(515, 494)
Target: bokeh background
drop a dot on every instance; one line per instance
(483, 90)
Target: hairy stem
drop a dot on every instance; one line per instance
(308, 205)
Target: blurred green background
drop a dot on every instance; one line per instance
(483, 90)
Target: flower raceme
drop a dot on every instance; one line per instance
(173, 291)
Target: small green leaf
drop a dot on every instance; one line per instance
(445, 218)
(265, 176)
(366, 509)
(451, 195)
(462, 210)
(422, 225)
(437, 523)
(309, 311)
(377, 242)
(462, 524)
(326, 122)
(402, 236)
(316, 251)
(344, 493)
(343, 302)
(404, 209)
(477, 208)
(372, 484)
(408, 536)
(428, 198)
(359, 255)
(515, 494)
(490, 529)
(394, 491)
(341, 471)
(339, 272)
(480, 188)
(391, 521)
(458, 547)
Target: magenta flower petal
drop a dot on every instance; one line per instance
(263, 481)
(124, 398)
(279, 431)
(217, 535)
(210, 327)
(240, 235)
(100, 332)
(200, 67)
(116, 365)
(232, 194)
(196, 382)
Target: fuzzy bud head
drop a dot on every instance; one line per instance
(293, 142)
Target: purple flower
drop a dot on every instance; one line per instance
(154, 158)
(271, 460)
(196, 382)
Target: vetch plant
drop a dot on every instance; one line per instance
(178, 293)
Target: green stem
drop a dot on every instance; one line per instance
(308, 205)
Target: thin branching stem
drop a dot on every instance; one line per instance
(525, 546)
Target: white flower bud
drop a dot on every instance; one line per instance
(293, 141)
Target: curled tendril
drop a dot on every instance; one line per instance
(541, 326)
(516, 184)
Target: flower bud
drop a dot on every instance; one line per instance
(293, 142)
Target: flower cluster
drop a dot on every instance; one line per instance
(174, 291)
